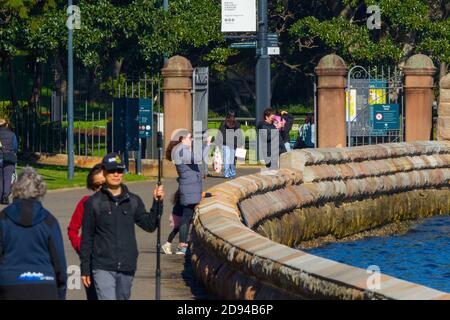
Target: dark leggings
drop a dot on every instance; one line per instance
(188, 213)
(6, 173)
(173, 234)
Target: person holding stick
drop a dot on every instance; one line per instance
(108, 245)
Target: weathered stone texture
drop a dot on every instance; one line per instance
(337, 192)
(443, 126)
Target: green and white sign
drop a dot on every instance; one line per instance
(385, 116)
(145, 118)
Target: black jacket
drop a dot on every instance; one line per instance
(108, 235)
(238, 140)
(287, 127)
(267, 147)
(8, 145)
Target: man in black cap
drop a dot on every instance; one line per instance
(108, 245)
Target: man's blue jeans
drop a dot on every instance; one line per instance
(229, 170)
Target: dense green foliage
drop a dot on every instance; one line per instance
(127, 38)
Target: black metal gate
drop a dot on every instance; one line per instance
(374, 106)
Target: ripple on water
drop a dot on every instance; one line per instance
(421, 255)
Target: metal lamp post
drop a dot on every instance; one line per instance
(159, 208)
(70, 140)
(263, 90)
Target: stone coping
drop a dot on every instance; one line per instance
(219, 234)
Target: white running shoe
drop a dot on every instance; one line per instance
(167, 248)
(181, 250)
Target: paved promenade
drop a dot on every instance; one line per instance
(176, 280)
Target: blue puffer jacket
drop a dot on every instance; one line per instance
(31, 247)
(189, 173)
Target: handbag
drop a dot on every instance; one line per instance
(240, 154)
(217, 162)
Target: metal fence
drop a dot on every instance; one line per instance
(368, 89)
(42, 128)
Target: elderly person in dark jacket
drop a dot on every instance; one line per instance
(32, 261)
(189, 178)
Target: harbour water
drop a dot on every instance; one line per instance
(422, 255)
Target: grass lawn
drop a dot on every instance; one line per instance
(56, 176)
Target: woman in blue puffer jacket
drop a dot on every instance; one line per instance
(187, 164)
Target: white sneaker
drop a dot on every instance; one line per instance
(167, 248)
(181, 250)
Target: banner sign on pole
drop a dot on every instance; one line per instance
(238, 15)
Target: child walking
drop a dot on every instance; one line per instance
(175, 220)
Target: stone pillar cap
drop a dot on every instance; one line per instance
(419, 64)
(177, 66)
(332, 65)
(445, 82)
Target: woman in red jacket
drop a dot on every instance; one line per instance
(95, 180)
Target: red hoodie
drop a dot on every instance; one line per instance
(75, 224)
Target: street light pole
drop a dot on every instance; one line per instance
(159, 207)
(70, 141)
(166, 8)
(263, 88)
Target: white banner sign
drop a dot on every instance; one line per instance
(238, 15)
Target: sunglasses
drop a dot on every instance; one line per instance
(119, 171)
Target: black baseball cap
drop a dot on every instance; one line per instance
(113, 161)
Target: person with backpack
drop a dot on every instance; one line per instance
(94, 182)
(32, 260)
(108, 244)
(307, 134)
(8, 160)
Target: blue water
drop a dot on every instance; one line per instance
(422, 255)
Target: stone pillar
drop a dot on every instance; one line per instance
(443, 126)
(419, 71)
(177, 74)
(331, 72)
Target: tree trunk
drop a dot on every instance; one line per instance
(33, 102)
(60, 82)
(237, 98)
(117, 67)
(12, 82)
